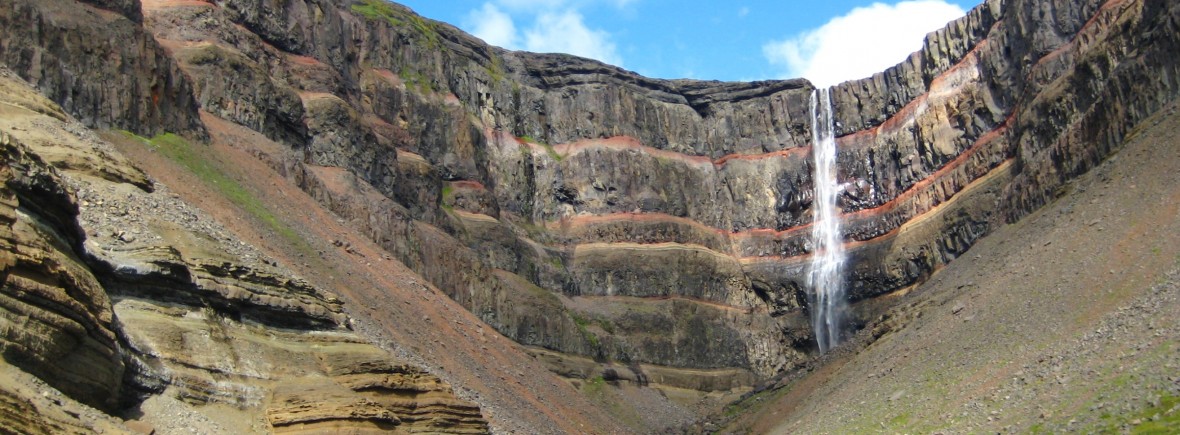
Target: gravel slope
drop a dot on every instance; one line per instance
(1066, 321)
(389, 304)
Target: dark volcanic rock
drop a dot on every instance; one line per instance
(253, 99)
(101, 66)
(567, 202)
(127, 8)
(588, 181)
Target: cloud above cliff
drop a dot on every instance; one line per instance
(492, 25)
(553, 26)
(565, 32)
(862, 42)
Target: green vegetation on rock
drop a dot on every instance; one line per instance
(583, 324)
(552, 153)
(381, 10)
(594, 385)
(184, 153)
(495, 70)
(417, 80)
(1160, 419)
(548, 148)
(446, 201)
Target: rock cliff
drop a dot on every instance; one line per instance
(651, 232)
(618, 200)
(124, 298)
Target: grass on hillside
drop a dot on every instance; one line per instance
(381, 10)
(548, 148)
(1162, 418)
(183, 153)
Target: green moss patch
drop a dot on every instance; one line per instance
(185, 154)
(1163, 417)
(381, 10)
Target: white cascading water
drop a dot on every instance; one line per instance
(824, 277)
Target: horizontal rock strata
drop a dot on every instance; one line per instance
(549, 181)
(117, 294)
(573, 206)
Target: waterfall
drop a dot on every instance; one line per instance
(826, 285)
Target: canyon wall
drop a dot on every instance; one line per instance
(647, 230)
(118, 297)
(665, 222)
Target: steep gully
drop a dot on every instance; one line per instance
(546, 194)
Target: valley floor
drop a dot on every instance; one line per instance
(1067, 321)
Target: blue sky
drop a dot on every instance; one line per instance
(824, 41)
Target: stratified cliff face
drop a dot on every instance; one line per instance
(124, 298)
(653, 231)
(664, 222)
(990, 120)
(98, 63)
(435, 129)
(581, 208)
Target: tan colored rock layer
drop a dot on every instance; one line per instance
(1000, 107)
(115, 294)
(56, 320)
(29, 406)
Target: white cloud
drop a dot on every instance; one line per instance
(565, 32)
(492, 25)
(865, 41)
(552, 5)
(532, 5)
(556, 27)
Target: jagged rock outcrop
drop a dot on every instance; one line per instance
(96, 60)
(57, 320)
(120, 296)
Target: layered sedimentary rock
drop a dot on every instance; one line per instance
(461, 199)
(57, 318)
(602, 200)
(658, 229)
(119, 295)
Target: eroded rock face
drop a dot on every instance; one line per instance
(96, 60)
(576, 207)
(568, 186)
(117, 294)
(57, 319)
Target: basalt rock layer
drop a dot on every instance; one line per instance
(119, 295)
(96, 60)
(642, 230)
(606, 202)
